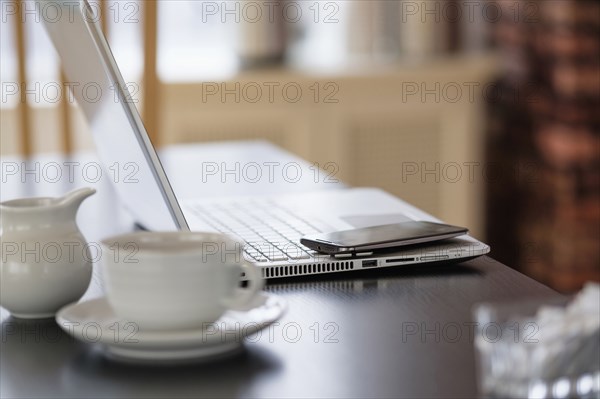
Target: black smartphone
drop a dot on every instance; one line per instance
(387, 236)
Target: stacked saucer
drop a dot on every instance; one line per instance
(95, 322)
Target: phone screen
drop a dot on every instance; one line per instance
(395, 234)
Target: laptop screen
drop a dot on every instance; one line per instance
(122, 143)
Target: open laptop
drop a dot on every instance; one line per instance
(271, 227)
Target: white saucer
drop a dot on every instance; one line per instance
(95, 322)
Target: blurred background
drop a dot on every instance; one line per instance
(483, 113)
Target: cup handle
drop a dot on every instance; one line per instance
(242, 296)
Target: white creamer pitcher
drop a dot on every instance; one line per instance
(46, 262)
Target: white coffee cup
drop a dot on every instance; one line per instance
(176, 280)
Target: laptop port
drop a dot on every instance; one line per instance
(399, 260)
(369, 263)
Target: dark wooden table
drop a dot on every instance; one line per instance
(401, 332)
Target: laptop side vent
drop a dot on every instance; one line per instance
(299, 270)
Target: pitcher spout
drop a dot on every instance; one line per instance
(74, 199)
(41, 214)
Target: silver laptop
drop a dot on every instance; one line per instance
(270, 226)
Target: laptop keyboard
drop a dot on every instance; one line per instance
(271, 232)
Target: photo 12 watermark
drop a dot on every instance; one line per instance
(268, 172)
(468, 171)
(55, 11)
(454, 332)
(452, 92)
(39, 252)
(69, 172)
(290, 12)
(69, 92)
(468, 11)
(289, 92)
(289, 332)
(28, 332)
